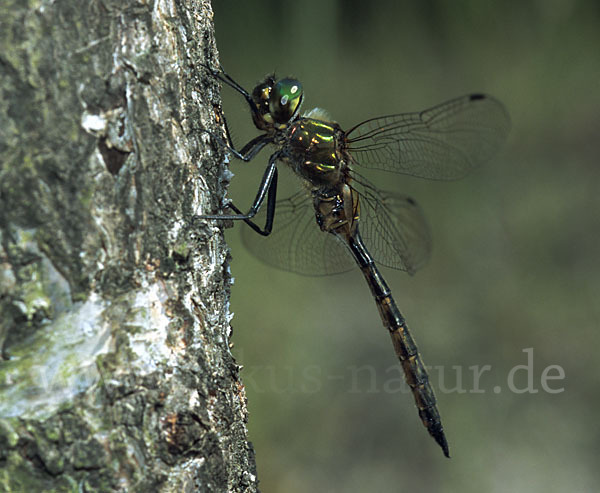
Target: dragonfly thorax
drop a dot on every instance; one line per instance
(313, 150)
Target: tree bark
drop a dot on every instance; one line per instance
(115, 364)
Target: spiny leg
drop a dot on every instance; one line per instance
(267, 187)
(249, 151)
(227, 79)
(271, 201)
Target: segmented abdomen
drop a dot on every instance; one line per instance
(406, 349)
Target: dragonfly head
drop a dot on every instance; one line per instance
(277, 101)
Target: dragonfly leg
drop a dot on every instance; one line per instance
(224, 77)
(255, 145)
(267, 187)
(249, 151)
(271, 200)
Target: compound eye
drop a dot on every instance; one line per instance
(261, 95)
(285, 100)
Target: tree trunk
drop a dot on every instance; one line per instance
(115, 366)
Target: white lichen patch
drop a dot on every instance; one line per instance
(181, 148)
(56, 363)
(149, 310)
(93, 124)
(58, 359)
(176, 227)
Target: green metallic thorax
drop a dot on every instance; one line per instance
(313, 150)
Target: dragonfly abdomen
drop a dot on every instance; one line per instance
(404, 345)
(418, 380)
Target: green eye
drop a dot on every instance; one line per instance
(287, 90)
(285, 99)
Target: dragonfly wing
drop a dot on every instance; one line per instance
(443, 142)
(394, 229)
(296, 243)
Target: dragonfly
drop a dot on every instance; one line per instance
(338, 219)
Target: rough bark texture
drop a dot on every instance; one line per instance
(115, 369)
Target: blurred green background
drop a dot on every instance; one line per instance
(515, 262)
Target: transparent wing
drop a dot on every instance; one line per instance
(297, 243)
(392, 226)
(443, 142)
(394, 229)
